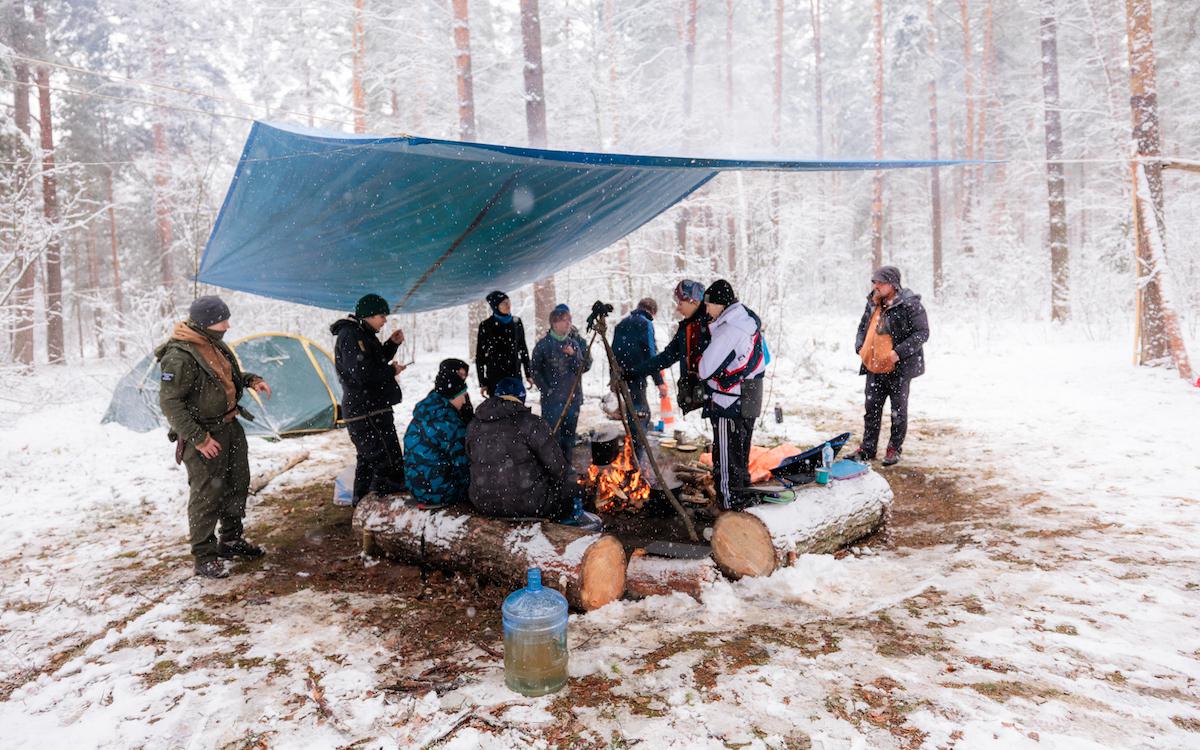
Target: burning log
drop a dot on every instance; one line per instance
(650, 576)
(588, 568)
(619, 486)
(760, 539)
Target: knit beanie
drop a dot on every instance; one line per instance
(689, 290)
(720, 293)
(558, 313)
(495, 298)
(449, 385)
(208, 311)
(887, 275)
(510, 387)
(453, 366)
(371, 304)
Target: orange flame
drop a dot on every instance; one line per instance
(619, 486)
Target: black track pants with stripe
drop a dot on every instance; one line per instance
(731, 457)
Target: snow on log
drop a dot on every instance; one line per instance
(588, 568)
(760, 539)
(648, 575)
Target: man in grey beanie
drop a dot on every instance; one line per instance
(202, 383)
(890, 342)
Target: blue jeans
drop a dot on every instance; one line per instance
(565, 436)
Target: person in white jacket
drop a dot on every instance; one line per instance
(732, 368)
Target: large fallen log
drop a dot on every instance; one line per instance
(760, 539)
(649, 575)
(588, 568)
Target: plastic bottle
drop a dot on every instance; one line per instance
(535, 638)
(827, 455)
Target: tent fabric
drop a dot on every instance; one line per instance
(305, 389)
(322, 218)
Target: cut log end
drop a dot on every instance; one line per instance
(602, 573)
(741, 546)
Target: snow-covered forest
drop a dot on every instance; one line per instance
(125, 121)
(1026, 577)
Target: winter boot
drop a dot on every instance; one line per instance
(239, 548)
(861, 456)
(892, 458)
(214, 568)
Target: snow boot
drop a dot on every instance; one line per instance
(892, 458)
(214, 568)
(239, 548)
(862, 456)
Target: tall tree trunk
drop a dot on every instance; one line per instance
(23, 326)
(94, 289)
(681, 239)
(689, 70)
(728, 63)
(818, 86)
(535, 122)
(877, 196)
(967, 195)
(1160, 340)
(55, 343)
(1060, 307)
(986, 69)
(935, 179)
(477, 310)
(359, 44)
(777, 125)
(162, 201)
(119, 292)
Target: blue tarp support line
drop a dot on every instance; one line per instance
(322, 218)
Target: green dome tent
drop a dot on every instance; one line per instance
(304, 385)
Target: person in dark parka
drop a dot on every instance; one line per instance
(500, 349)
(517, 468)
(435, 461)
(890, 342)
(557, 358)
(686, 346)
(202, 383)
(368, 373)
(633, 345)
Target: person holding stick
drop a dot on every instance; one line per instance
(558, 358)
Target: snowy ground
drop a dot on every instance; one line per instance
(1039, 589)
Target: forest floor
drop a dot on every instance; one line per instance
(1037, 586)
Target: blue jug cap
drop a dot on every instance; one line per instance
(533, 579)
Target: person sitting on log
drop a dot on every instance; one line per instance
(462, 369)
(689, 342)
(517, 468)
(436, 464)
(732, 367)
(557, 359)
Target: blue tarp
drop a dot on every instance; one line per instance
(322, 218)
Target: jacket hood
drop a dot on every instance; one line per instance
(342, 324)
(495, 409)
(738, 316)
(903, 297)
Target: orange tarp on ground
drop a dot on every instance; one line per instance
(762, 460)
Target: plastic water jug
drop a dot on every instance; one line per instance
(535, 638)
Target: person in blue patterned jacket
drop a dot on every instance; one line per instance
(436, 465)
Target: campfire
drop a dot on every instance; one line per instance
(619, 486)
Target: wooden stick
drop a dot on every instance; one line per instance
(574, 385)
(624, 395)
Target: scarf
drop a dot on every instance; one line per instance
(505, 319)
(212, 355)
(557, 337)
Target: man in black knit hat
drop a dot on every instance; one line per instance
(367, 371)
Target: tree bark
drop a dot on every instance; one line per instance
(648, 575)
(1060, 308)
(118, 290)
(877, 194)
(22, 340)
(967, 194)
(358, 42)
(55, 343)
(689, 70)
(162, 201)
(935, 178)
(1159, 339)
(93, 267)
(535, 123)
(728, 64)
(588, 568)
(757, 541)
(818, 86)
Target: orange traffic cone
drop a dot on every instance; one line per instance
(665, 414)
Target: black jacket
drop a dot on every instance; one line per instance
(689, 342)
(633, 344)
(905, 320)
(362, 362)
(500, 351)
(517, 467)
